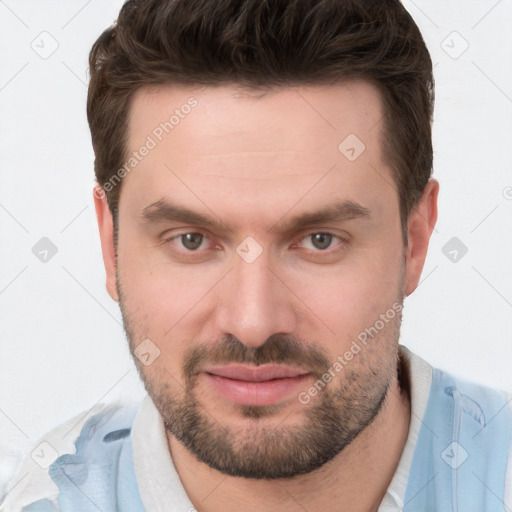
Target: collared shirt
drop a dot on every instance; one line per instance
(159, 484)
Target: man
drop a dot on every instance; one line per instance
(265, 204)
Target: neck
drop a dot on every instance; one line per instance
(356, 479)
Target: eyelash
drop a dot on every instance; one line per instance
(198, 253)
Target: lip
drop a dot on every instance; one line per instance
(260, 373)
(255, 385)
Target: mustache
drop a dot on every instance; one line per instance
(278, 349)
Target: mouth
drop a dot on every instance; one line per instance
(255, 385)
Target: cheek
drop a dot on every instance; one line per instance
(162, 303)
(154, 284)
(346, 299)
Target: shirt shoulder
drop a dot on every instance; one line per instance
(448, 411)
(464, 444)
(35, 486)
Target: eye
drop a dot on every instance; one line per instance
(190, 242)
(321, 241)
(190, 246)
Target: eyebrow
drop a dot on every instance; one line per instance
(166, 211)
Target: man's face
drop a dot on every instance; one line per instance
(247, 286)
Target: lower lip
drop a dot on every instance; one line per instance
(256, 393)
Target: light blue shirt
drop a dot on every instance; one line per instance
(457, 457)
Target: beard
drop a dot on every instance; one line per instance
(262, 449)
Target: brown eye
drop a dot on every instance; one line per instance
(191, 241)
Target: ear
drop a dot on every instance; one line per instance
(421, 223)
(106, 228)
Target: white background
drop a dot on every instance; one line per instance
(63, 347)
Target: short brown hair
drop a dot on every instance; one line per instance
(262, 44)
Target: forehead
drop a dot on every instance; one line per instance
(349, 107)
(253, 147)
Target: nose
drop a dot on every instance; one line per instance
(254, 303)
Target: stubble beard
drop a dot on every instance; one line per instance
(266, 450)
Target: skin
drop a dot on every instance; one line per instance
(254, 161)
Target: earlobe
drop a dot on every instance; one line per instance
(106, 230)
(422, 221)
